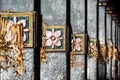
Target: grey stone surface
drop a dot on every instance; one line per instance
(78, 24)
(114, 69)
(102, 39)
(102, 24)
(54, 13)
(113, 31)
(77, 73)
(118, 70)
(77, 16)
(108, 70)
(28, 64)
(92, 71)
(92, 18)
(55, 68)
(17, 5)
(102, 71)
(108, 16)
(118, 37)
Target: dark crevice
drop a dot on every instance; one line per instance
(69, 32)
(37, 8)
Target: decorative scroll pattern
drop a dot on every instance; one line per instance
(11, 57)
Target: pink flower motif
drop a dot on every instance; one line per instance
(76, 44)
(53, 38)
(9, 34)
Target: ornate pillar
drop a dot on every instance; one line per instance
(92, 20)
(102, 37)
(54, 14)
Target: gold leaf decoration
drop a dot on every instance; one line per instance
(92, 49)
(72, 57)
(110, 50)
(72, 60)
(115, 54)
(43, 56)
(11, 51)
(103, 50)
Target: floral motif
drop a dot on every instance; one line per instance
(9, 35)
(91, 47)
(76, 44)
(53, 38)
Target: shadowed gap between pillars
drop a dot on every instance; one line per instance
(69, 32)
(38, 38)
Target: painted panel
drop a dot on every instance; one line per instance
(78, 43)
(26, 19)
(55, 38)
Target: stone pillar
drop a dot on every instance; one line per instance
(113, 69)
(102, 40)
(108, 38)
(92, 14)
(20, 5)
(113, 31)
(78, 25)
(118, 70)
(119, 60)
(54, 13)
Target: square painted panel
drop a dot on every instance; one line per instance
(26, 19)
(78, 43)
(92, 49)
(55, 38)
